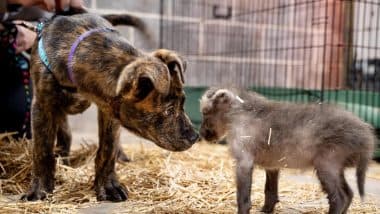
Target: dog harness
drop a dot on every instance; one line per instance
(43, 55)
(41, 49)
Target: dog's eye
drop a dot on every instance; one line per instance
(169, 111)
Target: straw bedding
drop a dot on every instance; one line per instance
(200, 180)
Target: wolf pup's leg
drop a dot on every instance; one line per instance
(271, 191)
(330, 179)
(244, 170)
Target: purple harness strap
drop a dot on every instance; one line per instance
(75, 45)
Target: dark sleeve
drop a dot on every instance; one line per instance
(7, 41)
(3, 8)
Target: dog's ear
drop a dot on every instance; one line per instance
(139, 78)
(175, 63)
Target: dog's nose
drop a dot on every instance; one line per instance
(194, 137)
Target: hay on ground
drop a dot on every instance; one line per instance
(200, 180)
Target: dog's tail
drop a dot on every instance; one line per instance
(127, 19)
(115, 19)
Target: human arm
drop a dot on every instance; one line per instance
(49, 5)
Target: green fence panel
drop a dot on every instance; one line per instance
(365, 104)
(193, 95)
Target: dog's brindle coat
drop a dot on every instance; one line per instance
(141, 92)
(278, 135)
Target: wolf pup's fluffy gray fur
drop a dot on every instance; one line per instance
(277, 135)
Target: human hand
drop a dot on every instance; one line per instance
(63, 5)
(49, 5)
(25, 38)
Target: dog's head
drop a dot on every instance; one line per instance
(215, 105)
(151, 100)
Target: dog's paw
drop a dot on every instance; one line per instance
(38, 191)
(34, 195)
(112, 190)
(268, 208)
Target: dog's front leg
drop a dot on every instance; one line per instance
(107, 186)
(44, 129)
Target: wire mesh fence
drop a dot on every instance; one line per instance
(311, 50)
(295, 50)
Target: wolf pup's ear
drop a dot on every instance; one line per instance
(175, 63)
(139, 78)
(223, 96)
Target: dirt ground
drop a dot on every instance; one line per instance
(293, 182)
(199, 180)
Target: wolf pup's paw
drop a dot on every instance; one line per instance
(111, 190)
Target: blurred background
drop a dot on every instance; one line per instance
(294, 50)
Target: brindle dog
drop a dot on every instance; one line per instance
(139, 91)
